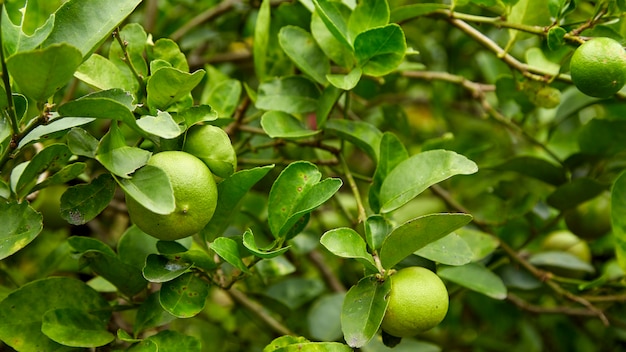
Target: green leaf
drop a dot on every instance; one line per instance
(168, 50)
(185, 296)
(414, 175)
(172, 341)
(403, 13)
(559, 259)
(347, 243)
(618, 220)
(377, 227)
(52, 157)
(480, 243)
(168, 85)
(163, 268)
(363, 310)
(250, 244)
(42, 72)
(525, 12)
(134, 247)
(332, 14)
(347, 81)
(555, 38)
(82, 203)
(229, 194)
(101, 108)
(331, 46)
(161, 125)
(475, 277)
(117, 157)
(125, 277)
(224, 97)
(44, 132)
(151, 187)
(367, 15)
(228, 249)
(81, 142)
(197, 114)
(81, 244)
(151, 314)
(534, 167)
(284, 341)
(362, 134)
(85, 24)
(75, 328)
(14, 39)
(597, 136)
(20, 225)
(278, 124)
(295, 292)
(380, 50)
(392, 152)
(261, 40)
(448, 250)
(67, 173)
(326, 103)
(98, 72)
(570, 194)
(292, 94)
(297, 191)
(417, 233)
(22, 311)
(302, 49)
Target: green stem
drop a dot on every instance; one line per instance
(354, 188)
(129, 63)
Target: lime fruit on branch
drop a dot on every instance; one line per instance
(598, 67)
(418, 301)
(212, 145)
(195, 196)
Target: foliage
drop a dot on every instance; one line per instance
(369, 135)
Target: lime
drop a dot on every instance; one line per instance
(591, 219)
(418, 301)
(566, 241)
(195, 195)
(598, 67)
(212, 145)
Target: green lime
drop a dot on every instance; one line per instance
(598, 67)
(195, 195)
(591, 219)
(212, 145)
(566, 241)
(418, 301)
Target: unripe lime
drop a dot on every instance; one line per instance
(598, 67)
(212, 145)
(418, 301)
(195, 195)
(591, 219)
(566, 241)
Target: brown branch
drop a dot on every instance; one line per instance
(216, 11)
(548, 310)
(327, 274)
(259, 311)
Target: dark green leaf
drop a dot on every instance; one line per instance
(172, 341)
(376, 230)
(536, 168)
(134, 247)
(151, 314)
(81, 142)
(82, 244)
(392, 152)
(302, 49)
(52, 157)
(162, 268)
(618, 220)
(475, 277)
(380, 50)
(185, 296)
(278, 124)
(327, 101)
(316, 347)
(363, 310)
(20, 225)
(324, 317)
(75, 328)
(597, 137)
(67, 173)
(125, 277)
(82, 203)
(571, 194)
(228, 249)
(295, 292)
(292, 94)
(347, 243)
(417, 233)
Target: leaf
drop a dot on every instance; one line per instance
(414, 175)
(82, 203)
(347, 81)
(302, 49)
(125, 277)
(278, 124)
(556, 38)
(333, 48)
(417, 233)
(228, 249)
(380, 50)
(524, 12)
(81, 142)
(22, 311)
(44, 132)
(363, 310)
(150, 186)
(185, 296)
(392, 152)
(14, 39)
(475, 277)
(536, 168)
(75, 328)
(67, 173)
(405, 12)
(368, 15)
(362, 134)
(325, 105)
(161, 125)
(81, 244)
(151, 314)
(557, 259)
(330, 12)
(448, 250)
(99, 72)
(42, 72)
(229, 194)
(480, 243)
(261, 40)
(294, 292)
(377, 227)
(168, 85)
(20, 225)
(85, 24)
(224, 97)
(297, 191)
(595, 137)
(292, 94)
(163, 268)
(117, 157)
(52, 157)
(250, 244)
(315, 347)
(173, 341)
(618, 220)
(347, 243)
(570, 194)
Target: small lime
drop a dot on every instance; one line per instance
(598, 67)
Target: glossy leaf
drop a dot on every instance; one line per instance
(297, 191)
(14, 39)
(333, 48)
(67, 173)
(117, 157)
(417, 233)
(52, 157)
(362, 134)
(403, 13)
(106, 107)
(367, 15)
(448, 250)
(42, 72)
(224, 97)
(82, 203)
(82, 244)
(331, 14)
(161, 268)
(185, 296)
(45, 131)
(20, 225)
(376, 230)
(161, 125)
(173, 341)
(125, 277)
(278, 124)
(151, 187)
(229, 194)
(475, 277)
(380, 50)
(596, 137)
(250, 244)
(618, 221)
(577, 191)
(261, 40)
(81, 142)
(168, 85)
(414, 175)
(302, 49)
(22, 311)
(228, 249)
(347, 81)
(292, 94)
(392, 152)
(327, 101)
(75, 328)
(536, 168)
(347, 243)
(363, 310)
(134, 247)
(315, 347)
(481, 244)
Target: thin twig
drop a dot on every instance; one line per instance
(259, 311)
(216, 11)
(327, 274)
(355, 189)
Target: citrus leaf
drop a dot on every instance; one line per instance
(52, 157)
(82, 203)
(169, 340)
(151, 314)
(278, 124)
(117, 157)
(14, 39)
(333, 48)
(292, 94)
(417, 233)
(475, 277)
(106, 107)
(185, 296)
(228, 249)
(330, 12)
(295, 292)
(150, 186)
(362, 134)
(99, 72)
(125, 277)
(570, 194)
(161, 125)
(315, 347)
(377, 227)
(45, 131)
(448, 250)
(224, 97)
(564, 260)
(392, 152)
(250, 244)
(414, 175)
(162, 268)
(75, 328)
(168, 85)
(81, 142)
(347, 243)
(347, 81)
(302, 49)
(368, 15)
(536, 168)
(480, 243)
(363, 310)
(81, 244)
(618, 220)
(324, 317)
(261, 40)
(380, 50)
(403, 13)
(20, 225)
